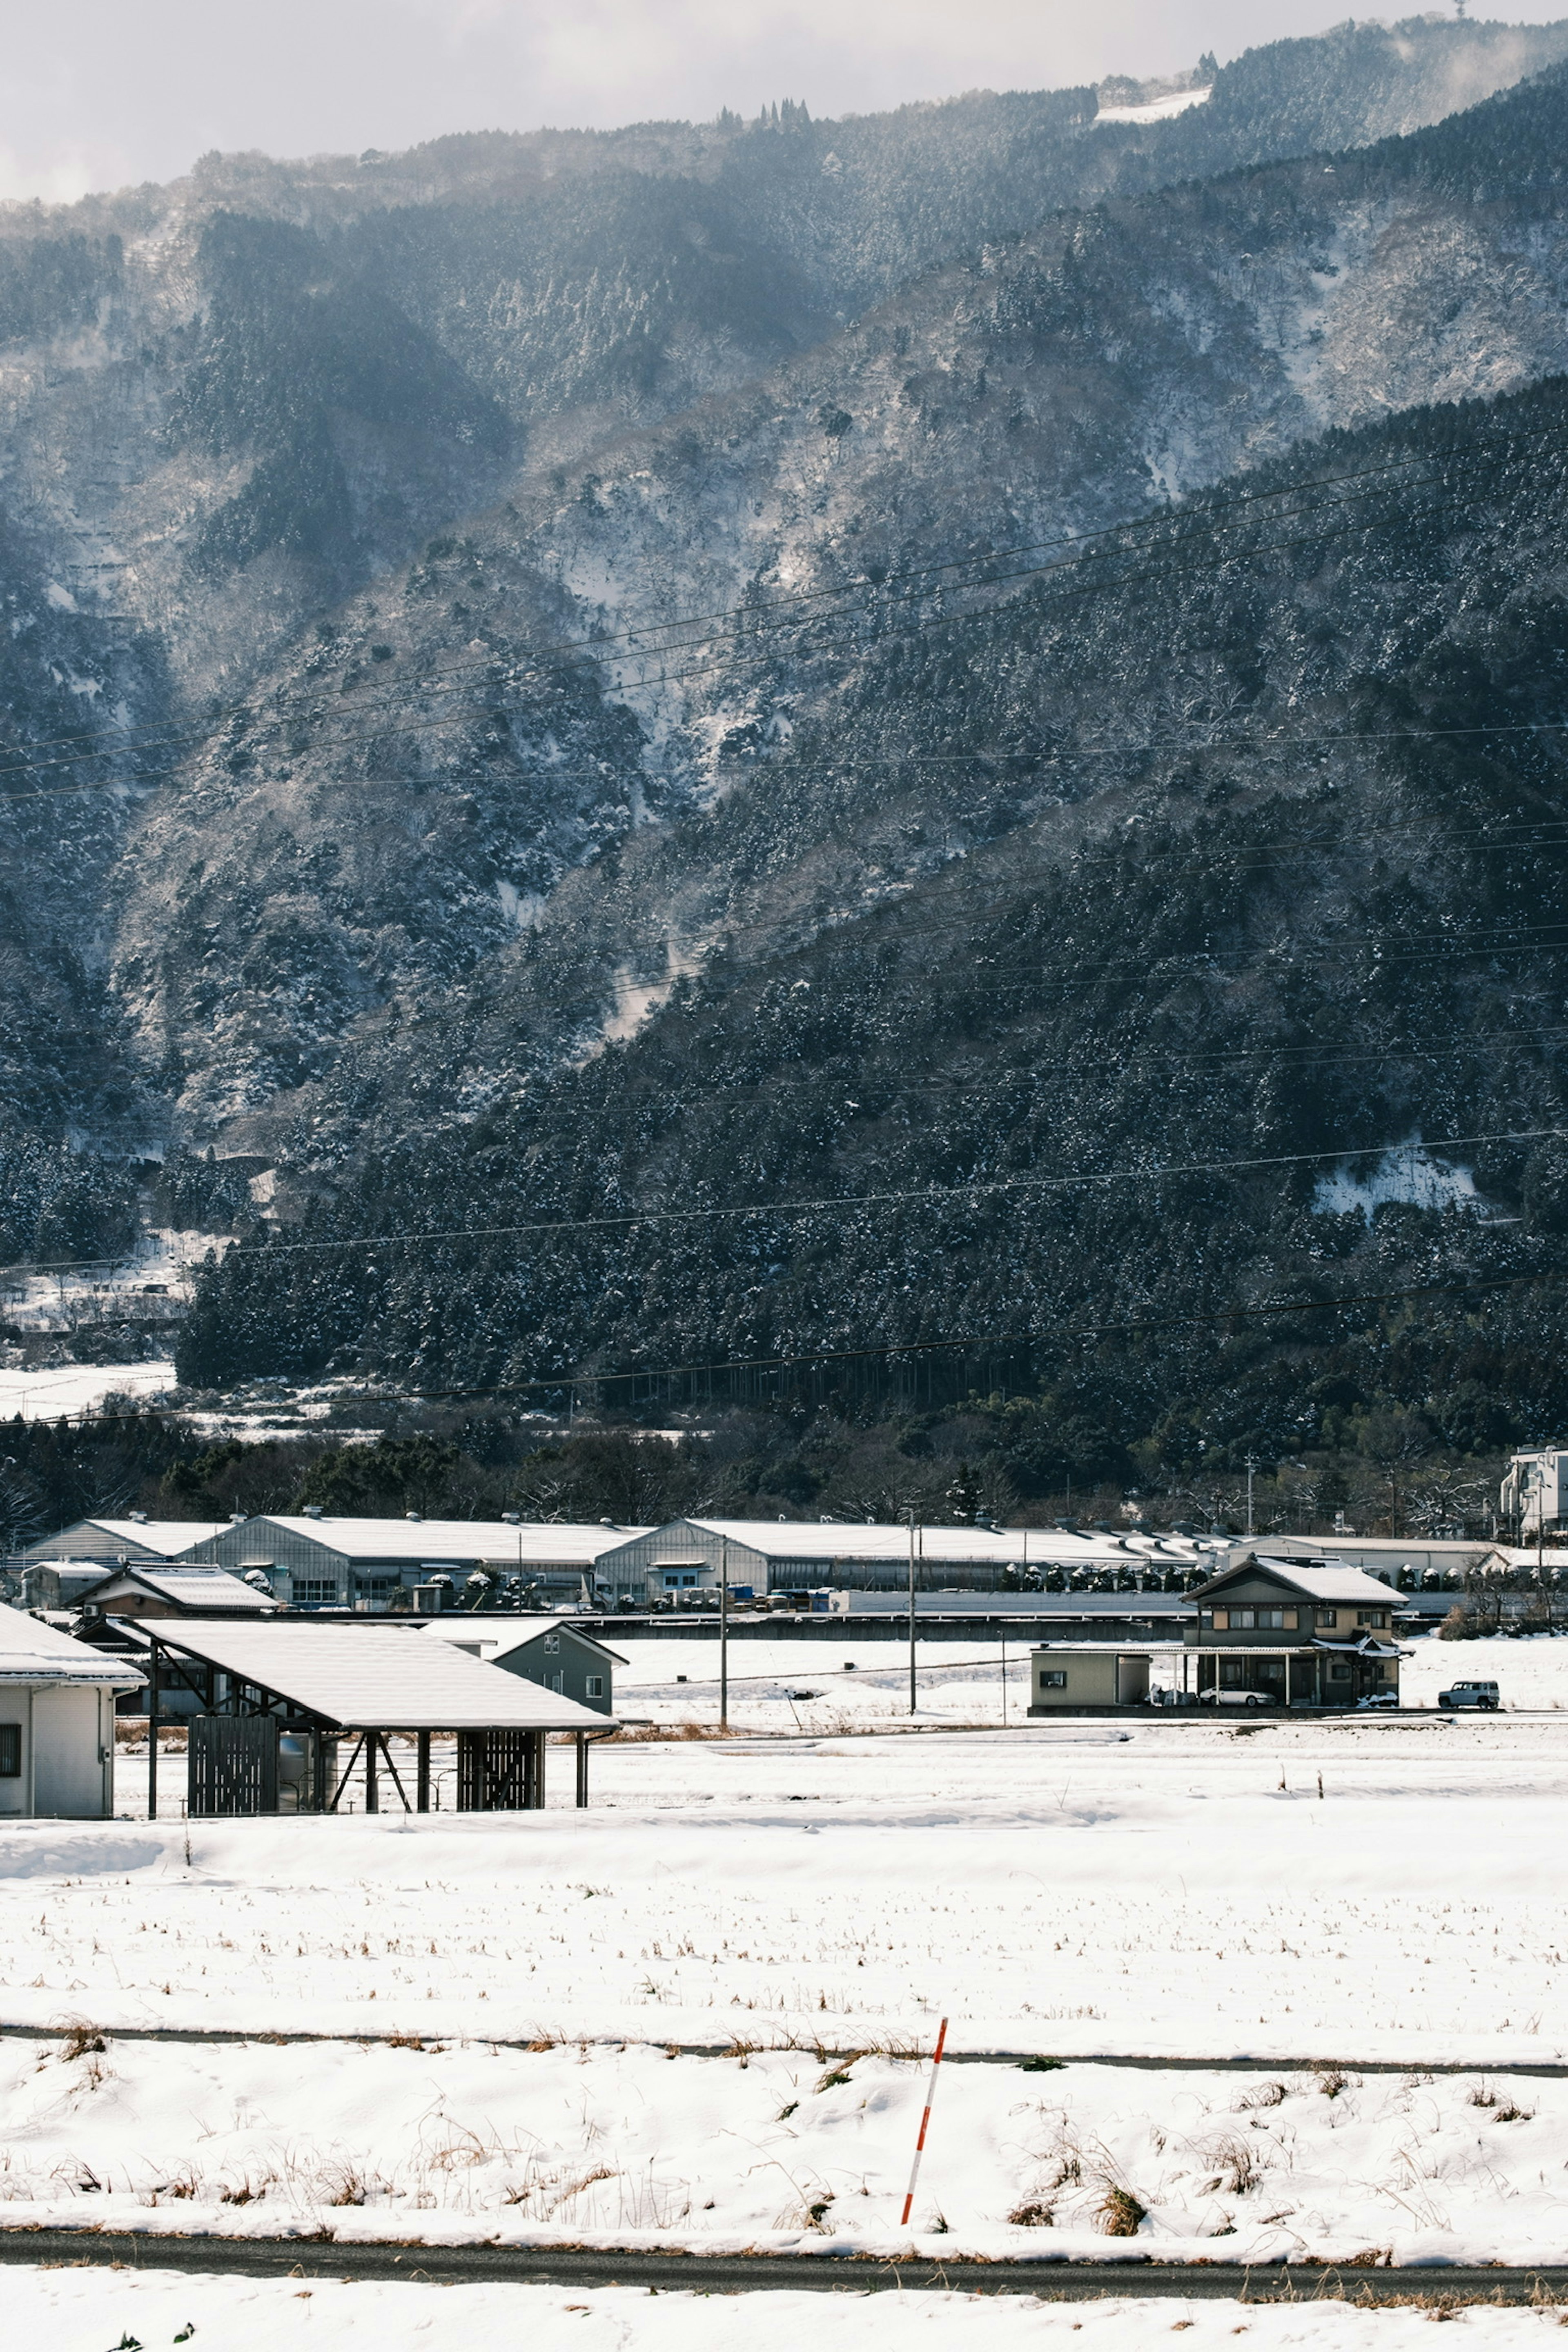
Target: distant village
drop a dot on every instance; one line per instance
(299, 1659)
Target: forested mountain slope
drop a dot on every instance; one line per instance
(649, 670)
(1255, 854)
(229, 404)
(433, 816)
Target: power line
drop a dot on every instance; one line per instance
(926, 1195)
(1186, 526)
(1192, 521)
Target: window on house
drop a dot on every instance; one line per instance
(555, 1682)
(1372, 1617)
(314, 1591)
(1328, 1616)
(1053, 1679)
(552, 1645)
(1221, 1620)
(1242, 1620)
(10, 1751)
(595, 1687)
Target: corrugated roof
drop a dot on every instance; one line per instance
(456, 1543)
(35, 1652)
(377, 1677)
(1001, 1547)
(165, 1538)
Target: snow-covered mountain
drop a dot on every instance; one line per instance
(539, 670)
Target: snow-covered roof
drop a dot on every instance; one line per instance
(484, 1638)
(31, 1652)
(1002, 1547)
(377, 1677)
(1317, 1579)
(162, 1539)
(457, 1543)
(188, 1586)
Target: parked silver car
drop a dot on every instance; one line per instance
(1471, 1694)
(1234, 1696)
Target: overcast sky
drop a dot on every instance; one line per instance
(100, 93)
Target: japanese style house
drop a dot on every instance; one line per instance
(1301, 1633)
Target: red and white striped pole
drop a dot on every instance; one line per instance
(925, 2125)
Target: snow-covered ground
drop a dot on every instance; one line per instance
(1302, 1894)
(43, 1391)
(1153, 109)
(1075, 1888)
(862, 1683)
(865, 1684)
(831, 1684)
(781, 2152)
(1530, 1674)
(84, 2311)
(159, 1275)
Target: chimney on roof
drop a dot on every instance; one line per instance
(411, 1514)
(312, 1511)
(139, 1519)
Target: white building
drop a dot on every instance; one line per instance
(115, 1541)
(1535, 1492)
(56, 1722)
(796, 1555)
(318, 1560)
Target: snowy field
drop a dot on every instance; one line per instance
(87, 2311)
(846, 1684)
(780, 1684)
(1177, 1889)
(782, 2152)
(43, 1391)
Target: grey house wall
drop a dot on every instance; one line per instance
(570, 1659)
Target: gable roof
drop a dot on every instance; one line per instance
(447, 1543)
(31, 1652)
(838, 1540)
(185, 1585)
(500, 1641)
(376, 1676)
(136, 1539)
(1329, 1582)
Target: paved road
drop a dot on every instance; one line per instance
(748, 2274)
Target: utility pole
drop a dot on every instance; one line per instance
(1251, 1474)
(914, 1699)
(723, 1633)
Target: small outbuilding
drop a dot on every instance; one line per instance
(56, 1722)
(180, 1589)
(558, 1656)
(1077, 1674)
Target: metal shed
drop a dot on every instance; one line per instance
(280, 1695)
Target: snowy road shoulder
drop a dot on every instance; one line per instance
(86, 2310)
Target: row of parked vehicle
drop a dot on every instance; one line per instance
(1481, 1694)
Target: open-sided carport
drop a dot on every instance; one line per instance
(281, 1695)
